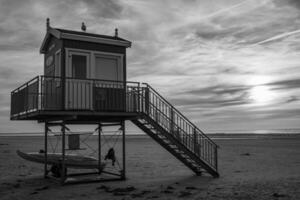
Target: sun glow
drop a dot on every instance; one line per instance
(261, 94)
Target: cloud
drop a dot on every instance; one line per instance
(279, 113)
(219, 90)
(292, 99)
(286, 84)
(291, 3)
(294, 3)
(198, 54)
(278, 37)
(212, 102)
(213, 96)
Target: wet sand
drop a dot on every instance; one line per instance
(251, 168)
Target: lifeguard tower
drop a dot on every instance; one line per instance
(85, 83)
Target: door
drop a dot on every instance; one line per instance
(78, 87)
(109, 95)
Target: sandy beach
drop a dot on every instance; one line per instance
(250, 168)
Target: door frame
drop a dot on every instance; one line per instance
(71, 102)
(69, 54)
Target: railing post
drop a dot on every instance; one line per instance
(124, 94)
(26, 97)
(36, 105)
(133, 99)
(142, 99)
(195, 141)
(171, 120)
(147, 100)
(138, 98)
(93, 101)
(42, 93)
(11, 102)
(216, 157)
(63, 92)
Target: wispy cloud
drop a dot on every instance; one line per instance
(278, 37)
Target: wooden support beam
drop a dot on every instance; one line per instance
(63, 167)
(54, 118)
(99, 148)
(46, 150)
(112, 124)
(123, 150)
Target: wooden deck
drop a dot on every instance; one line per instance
(49, 98)
(80, 116)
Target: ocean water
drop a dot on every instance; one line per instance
(259, 131)
(216, 135)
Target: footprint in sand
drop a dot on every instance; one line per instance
(184, 194)
(245, 154)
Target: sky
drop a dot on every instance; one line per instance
(226, 64)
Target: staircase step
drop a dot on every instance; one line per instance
(177, 146)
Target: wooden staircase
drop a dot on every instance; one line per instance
(173, 131)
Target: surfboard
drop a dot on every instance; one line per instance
(71, 160)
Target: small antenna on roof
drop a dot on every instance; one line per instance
(116, 32)
(83, 27)
(47, 23)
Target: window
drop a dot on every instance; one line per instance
(57, 68)
(57, 64)
(79, 66)
(106, 68)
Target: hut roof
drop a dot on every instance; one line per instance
(82, 36)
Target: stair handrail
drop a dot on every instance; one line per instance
(211, 163)
(180, 114)
(162, 113)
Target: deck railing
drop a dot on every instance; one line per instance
(56, 94)
(25, 98)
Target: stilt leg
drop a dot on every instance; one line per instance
(46, 150)
(123, 176)
(99, 148)
(63, 175)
